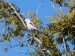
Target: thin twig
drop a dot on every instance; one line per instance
(59, 10)
(65, 46)
(38, 8)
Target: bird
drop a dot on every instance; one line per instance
(30, 26)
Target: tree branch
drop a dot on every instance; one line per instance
(17, 13)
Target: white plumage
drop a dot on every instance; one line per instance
(30, 25)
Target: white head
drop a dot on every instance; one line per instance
(27, 20)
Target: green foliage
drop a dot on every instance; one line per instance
(63, 24)
(9, 17)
